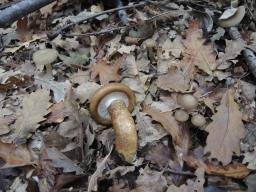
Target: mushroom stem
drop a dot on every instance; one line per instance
(125, 131)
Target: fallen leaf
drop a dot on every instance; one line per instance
(58, 88)
(232, 50)
(24, 33)
(180, 136)
(226, 130)
(202, 55)
(106, 72)
(158, 154)
(59, 160)
(147, 131)
(92, 185)
(150, 181)
(34, 107)
(250, 159)
(19, 185)
(86, 91)
(175, 47)
(14, 156)
(72, 126)
(74, 58)
(174, 81)
(56, 115)
(237, 170)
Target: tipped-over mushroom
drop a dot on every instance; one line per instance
(113, 103)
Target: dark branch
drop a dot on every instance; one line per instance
(19, 10)
(54, 34)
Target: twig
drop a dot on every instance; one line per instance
(187, 173)
(20, 9)
(110, 30)
(248, 54)
(54, 34)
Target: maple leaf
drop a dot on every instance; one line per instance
(202, 55)
(34, 107)
(226, 130)
(105, 71)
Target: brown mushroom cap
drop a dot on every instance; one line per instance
(105, 96)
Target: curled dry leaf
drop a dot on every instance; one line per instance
(226, 130)
(238, 170)
(34, 107)
(202, 55)
(14, 156)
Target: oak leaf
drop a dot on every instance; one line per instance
(14, 156)
(226, 130)
(105, 71)
(202, 54)
(34, 107)
(174, 81)
(180, 135)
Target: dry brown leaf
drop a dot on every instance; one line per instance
(23, 31)
(105, 71)
(147, 131)
(238, 170)
(174, 81)
(250, 158)
(14, 156)
(202, 54)
(150, 181)
(232, 50)
(56, 115)
(180, 136)
(196, 185)
(34, 107)
(226, 130)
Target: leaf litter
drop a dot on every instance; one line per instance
(165, 49)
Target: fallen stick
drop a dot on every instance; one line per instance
(54, 34)
(248, 54)
(19, 10)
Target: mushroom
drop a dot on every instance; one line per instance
(198, 120)
(181, 115)
(112, 104)
(188, 101)
(44, 57)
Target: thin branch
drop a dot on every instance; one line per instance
(54, 34)
(110, 30)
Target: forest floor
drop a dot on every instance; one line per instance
(192, 67)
